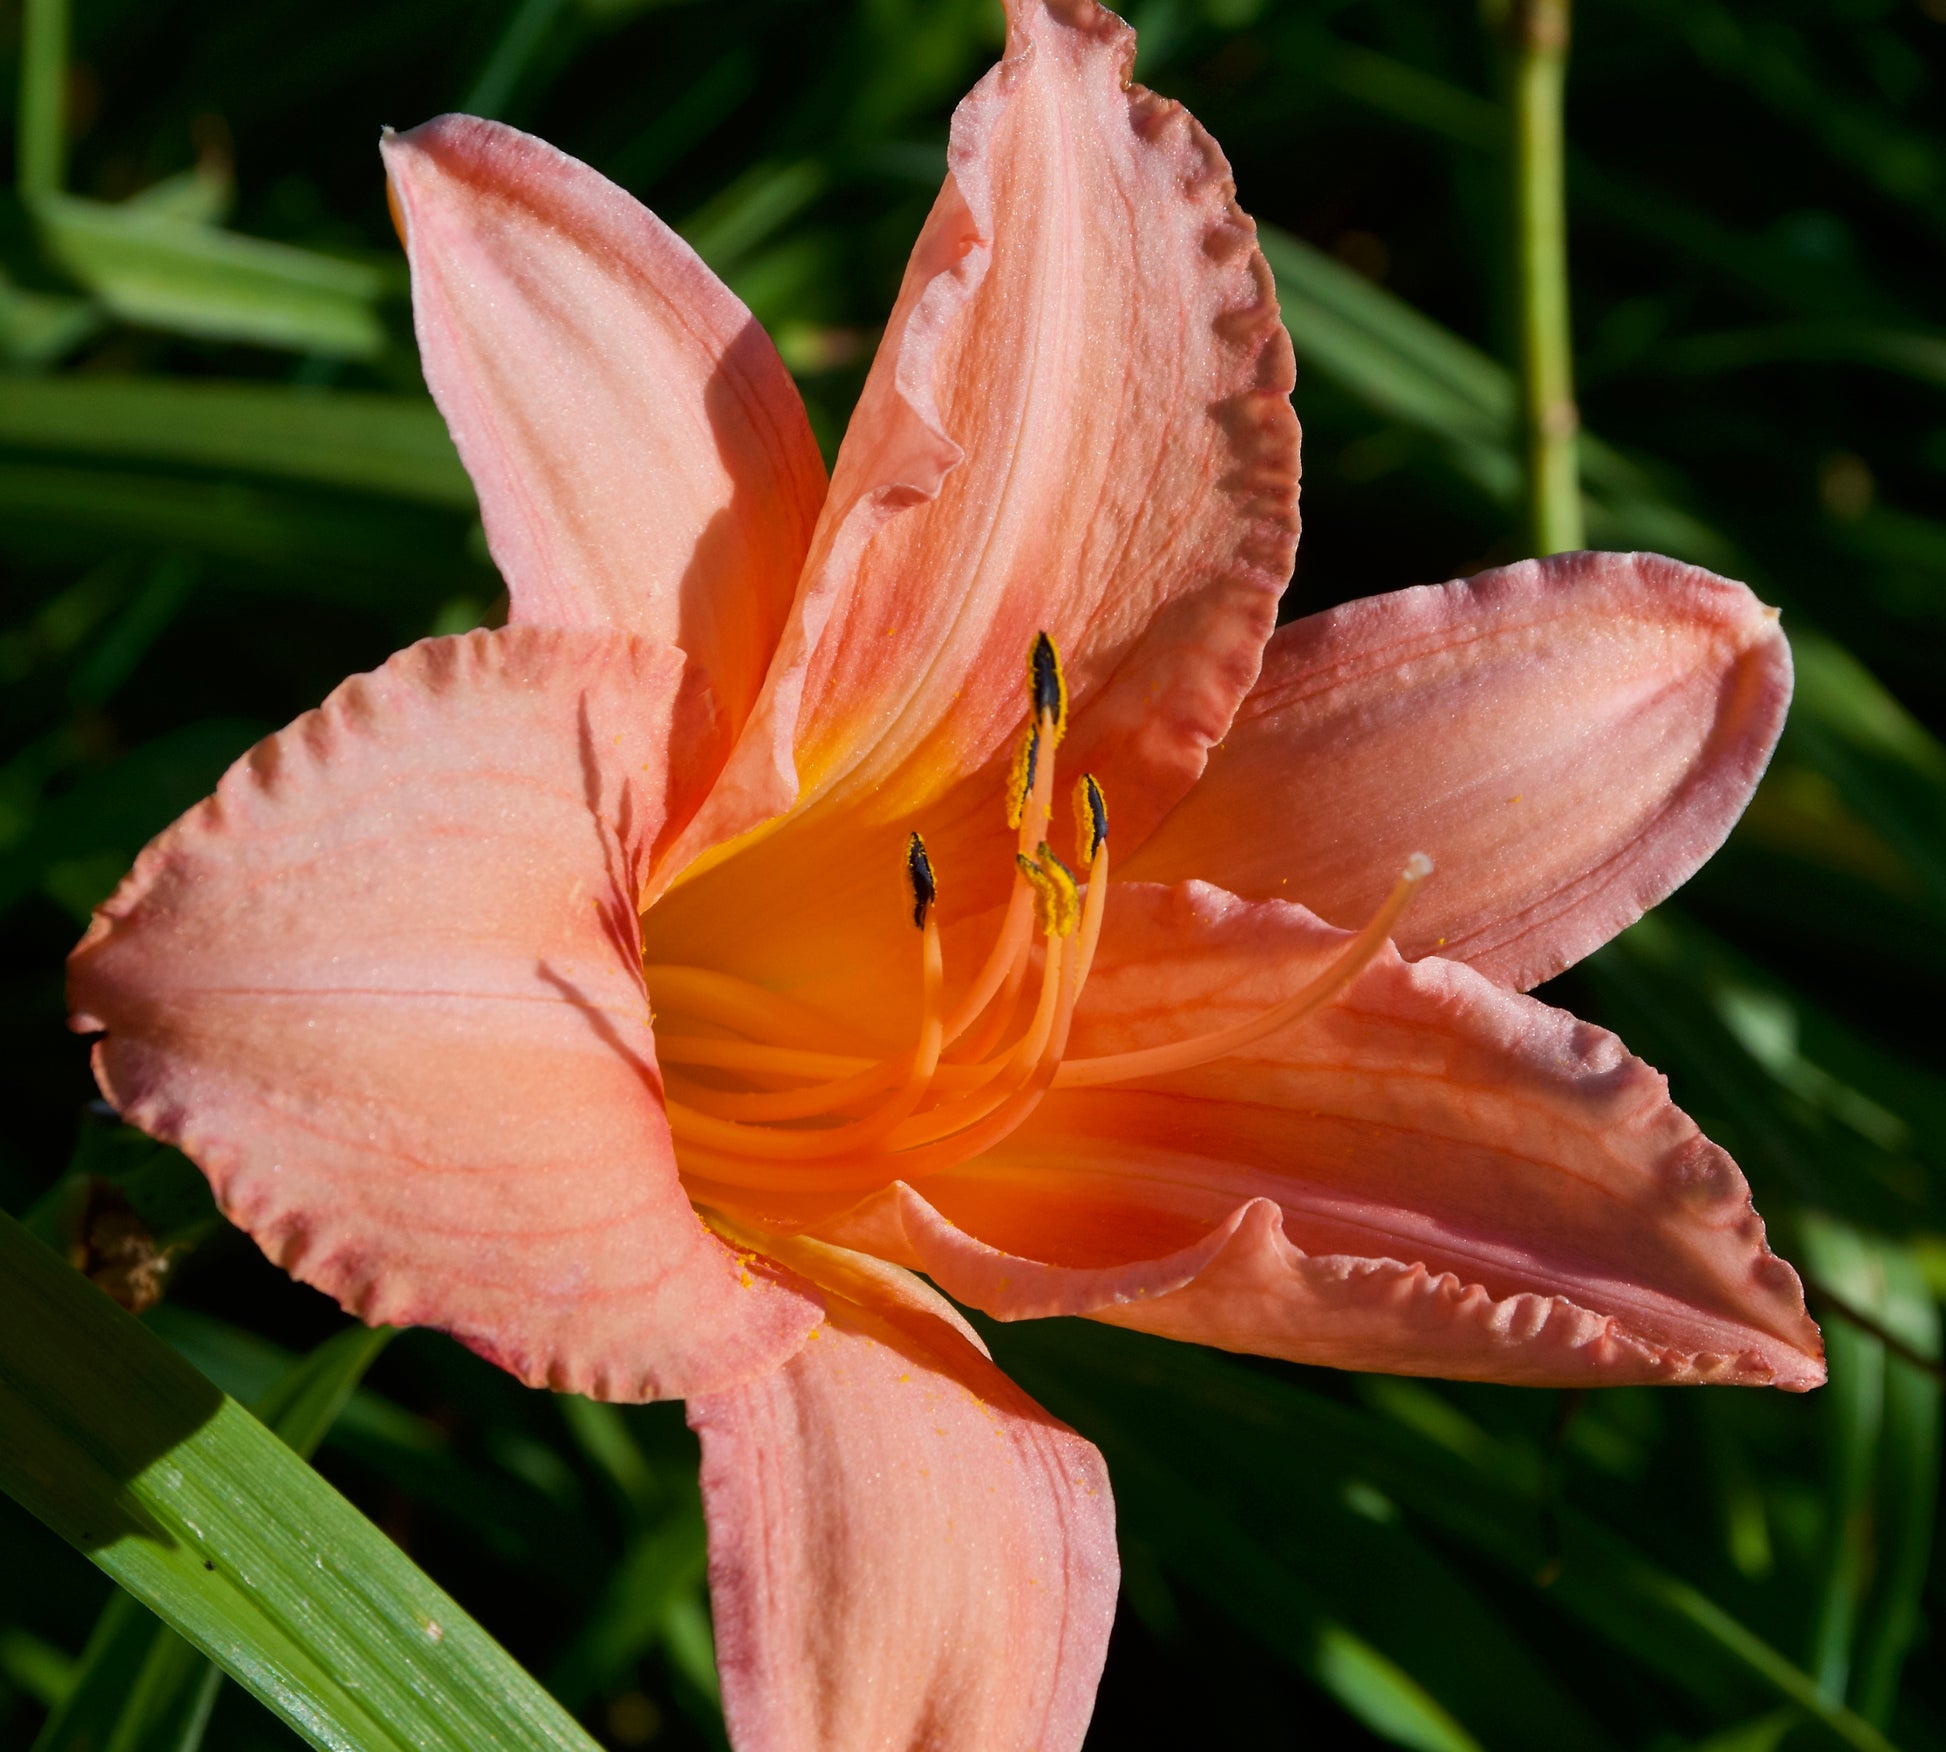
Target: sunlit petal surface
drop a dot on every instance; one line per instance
(1568, 738)
(905, 1550)
(1078, 422)
(642, 458)
(384, 989)
(1433, 1176)
(804, 890)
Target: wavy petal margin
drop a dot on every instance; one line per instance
(384, 989)
(1431, 1176)
(1079, 423)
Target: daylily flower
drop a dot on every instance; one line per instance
(647, 990)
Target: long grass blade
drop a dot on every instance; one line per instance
(200, 1512)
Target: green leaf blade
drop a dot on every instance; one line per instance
(201, 1512)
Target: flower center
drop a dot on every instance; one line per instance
(760, 1105)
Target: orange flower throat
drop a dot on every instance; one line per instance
(757, 1105)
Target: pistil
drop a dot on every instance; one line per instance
(1201, 1049)
(913, 1114)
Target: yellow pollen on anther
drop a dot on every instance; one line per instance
(1047, 687)
(1066, 901)
(1021, 773)
(1090, 817)
(1046, 900)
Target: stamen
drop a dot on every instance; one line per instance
(726, 1135)
(755, 1057)
(918, 872)
(691, 1125)
(1096, 906)
(1004, 1079)
(1047, 687)
(870, 1079)
(953, 1131)
(1030, 798)
(1182, 1055)
(1067, 896)
(722, 998)
(1022, 773)
(1006, 966)
(1046, 901)
(1014, 1105)
(1090, 817)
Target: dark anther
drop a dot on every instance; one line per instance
(918, 872)
(1094, 829)
(1020, 774)
(1046, 684)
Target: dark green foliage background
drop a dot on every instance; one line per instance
(1758, 214)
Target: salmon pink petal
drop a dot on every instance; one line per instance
(1432, 1175)
(642, 457)
(905, 1550)
(1078, 422)
(1569, 739)
(384, 989)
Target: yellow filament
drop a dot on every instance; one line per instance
(1004, 966)
(1003, 1078)
(1093, 907)
(1015, 1109)
(755, 1057)
(722, 998)
(1182, 1055)
(909, 1115)
(690, 1125)
(809, 1102)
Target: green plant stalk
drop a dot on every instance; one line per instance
(1537, 35)
(41, 140)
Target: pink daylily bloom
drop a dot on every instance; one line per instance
(581, 987)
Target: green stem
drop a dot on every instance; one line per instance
(1537, 33)
(41, 142)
